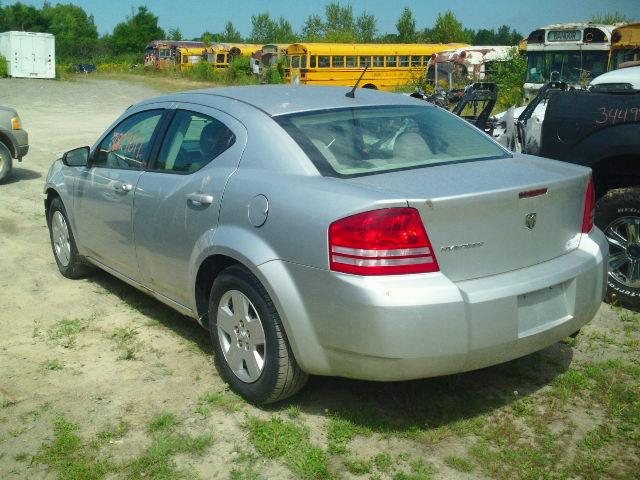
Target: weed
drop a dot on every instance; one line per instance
(54, 365)
(382, 461)
(358, 466)
(126, 343)
(340, 431)
(293, 411)
(65, 331)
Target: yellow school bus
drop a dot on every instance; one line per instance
(625, 46)
(390, 65)
(220, 54)
(189, 56)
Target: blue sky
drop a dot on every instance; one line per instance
(193, 17)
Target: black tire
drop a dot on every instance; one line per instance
(281, 376)
(616, 207)
(76, 267)
(5, 162)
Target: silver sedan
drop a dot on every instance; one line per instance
(374, 237)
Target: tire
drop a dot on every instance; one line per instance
(275, 374)
(63, 245)
(5, 162)
(618, 216)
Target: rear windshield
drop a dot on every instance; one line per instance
(366, 140)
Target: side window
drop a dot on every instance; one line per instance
(128, 145)
(192, 141)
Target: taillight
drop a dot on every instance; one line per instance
(390, 241)
(589, 207)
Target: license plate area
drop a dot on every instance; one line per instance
(542, 309)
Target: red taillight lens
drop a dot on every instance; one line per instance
(390, 241)
(589, 207)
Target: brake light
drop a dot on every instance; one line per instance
(390, 241)
(589, 207)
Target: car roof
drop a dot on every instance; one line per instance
(624, 75)
(277, 100)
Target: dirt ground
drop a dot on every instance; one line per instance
(103, 362)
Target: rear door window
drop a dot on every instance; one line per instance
(192, 141)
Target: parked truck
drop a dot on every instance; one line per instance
(29, 54)
(599, 128)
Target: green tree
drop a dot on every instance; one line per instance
(283, 32)
(339, 24)
(510, 76)
(446, 29)
(609, 18)
(366, 27)
(22, 17)
(313, 29)
(406, 26)
(485, 36)
(75, 31)
(133, 35)
(175, 34)
(230, 34)
(261, 28)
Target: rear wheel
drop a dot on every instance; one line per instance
(5, 161)
(69, 262)
(618, 216)
(251, 349)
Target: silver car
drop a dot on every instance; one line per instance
(374, 237)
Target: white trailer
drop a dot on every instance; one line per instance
(29, 54)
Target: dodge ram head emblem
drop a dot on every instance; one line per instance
(530, 220)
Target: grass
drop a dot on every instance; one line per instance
(54, 365)
(65, 331)
(126, 343)
(72, 458)
(460, 464)
(223, 399)
(276, 438)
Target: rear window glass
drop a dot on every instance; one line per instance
(366, 140)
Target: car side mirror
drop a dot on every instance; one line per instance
(78, 157)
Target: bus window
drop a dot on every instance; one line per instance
(303, 61)
(312, 61)
(378, 61)
(404, 60)
(220, 58)
(594, 63)
(392, 61)
(351, 61)
(415, 61)
(185, 59)
(165, 53)
(338, 62)
(425, 60)
(295, 61)
(324, 61)
(287, 61)
(364, 61)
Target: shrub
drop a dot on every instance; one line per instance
(4, 67)
(510, 76)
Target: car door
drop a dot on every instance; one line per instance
(178, 198)
(104, 193)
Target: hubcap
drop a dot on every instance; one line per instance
(241, 336)
(60, 238)
(624, 244)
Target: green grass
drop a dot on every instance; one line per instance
(223, 399)
(65, 331)
(382, 461)
(126, 343)
(282, 439)
(460, 464)
(163, 422)
(358, 466)
(54, 365)
(68, 457)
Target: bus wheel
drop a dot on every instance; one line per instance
(371, 86)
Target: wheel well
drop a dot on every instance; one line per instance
(371, 86)
(622, 171)
(6, 141)
(207, 273)
(51, 194)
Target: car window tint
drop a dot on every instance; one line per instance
(192, 141)
(127, 146)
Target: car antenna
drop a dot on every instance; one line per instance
(352, 93)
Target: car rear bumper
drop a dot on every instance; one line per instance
(416, 326)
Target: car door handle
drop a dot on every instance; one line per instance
(200, 198)
(122, 187)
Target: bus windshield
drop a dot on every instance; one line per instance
(624, 55)
(567, 66)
